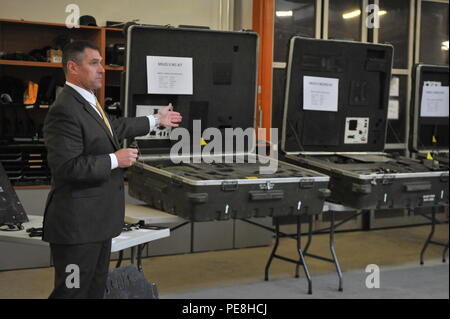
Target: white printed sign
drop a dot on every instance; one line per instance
(169, 75)
(395, 86)
(434, 101)
(320, 94)
(393, 109)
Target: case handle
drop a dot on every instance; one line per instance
(362, 188)
(198, 198)
(229, 186)
(266, 195)
(417, 186)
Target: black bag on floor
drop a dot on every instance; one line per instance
(129, 283)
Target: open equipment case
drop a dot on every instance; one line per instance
(429, 133)
(224, 79)
(335, 118)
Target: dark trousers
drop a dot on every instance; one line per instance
(81, 270)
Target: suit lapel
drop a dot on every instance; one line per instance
(94, 114)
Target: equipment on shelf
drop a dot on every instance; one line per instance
(88, 20)
(115, 54)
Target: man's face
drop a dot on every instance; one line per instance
(90, 71)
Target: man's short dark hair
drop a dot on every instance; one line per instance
(72, 51)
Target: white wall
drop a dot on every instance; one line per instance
(212, 13)
(243, 15)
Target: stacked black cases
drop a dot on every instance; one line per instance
(347, 143)
(11, 210)
(223, 97)
(25, 164)
(428, 133)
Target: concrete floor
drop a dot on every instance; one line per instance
(239, 273)
(407, 281)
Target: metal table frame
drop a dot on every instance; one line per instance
(328, 207)
(430, 240)
(137, 258)
(138, 240)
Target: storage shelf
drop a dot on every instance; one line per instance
(62, 25)
(31, 63)
(50, 65)
(114, 68)
(33, 187)
(21, 36)
(113, 29)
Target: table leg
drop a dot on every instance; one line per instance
(445, 253)
(119, 261)
(133, 255)
(139, 257)
(310, 232)
(275, 247)
(302, 258)
(333, 253)
(433, 226)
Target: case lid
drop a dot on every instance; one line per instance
(336, 97)
(429, 115)
(224, 79)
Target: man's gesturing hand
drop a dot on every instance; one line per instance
(126, 157)
(167, 117)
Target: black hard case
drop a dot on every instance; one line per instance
(224, 96)
(424, 128)
(362, 176)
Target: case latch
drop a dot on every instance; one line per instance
(444, 178)
(387, 180)
(306, 183)
(229, 186)
(267, 186)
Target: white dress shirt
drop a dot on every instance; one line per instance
(92, 100)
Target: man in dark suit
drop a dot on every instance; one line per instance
(85, 207)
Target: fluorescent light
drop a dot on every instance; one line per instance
(352, 14)
(357, 13)
(444, 46)
(284, 13)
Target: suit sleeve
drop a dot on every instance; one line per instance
(64, 141)
(131, 127)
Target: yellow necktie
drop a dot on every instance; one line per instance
(105, 119)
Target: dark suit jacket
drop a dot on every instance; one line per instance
(86, 203)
